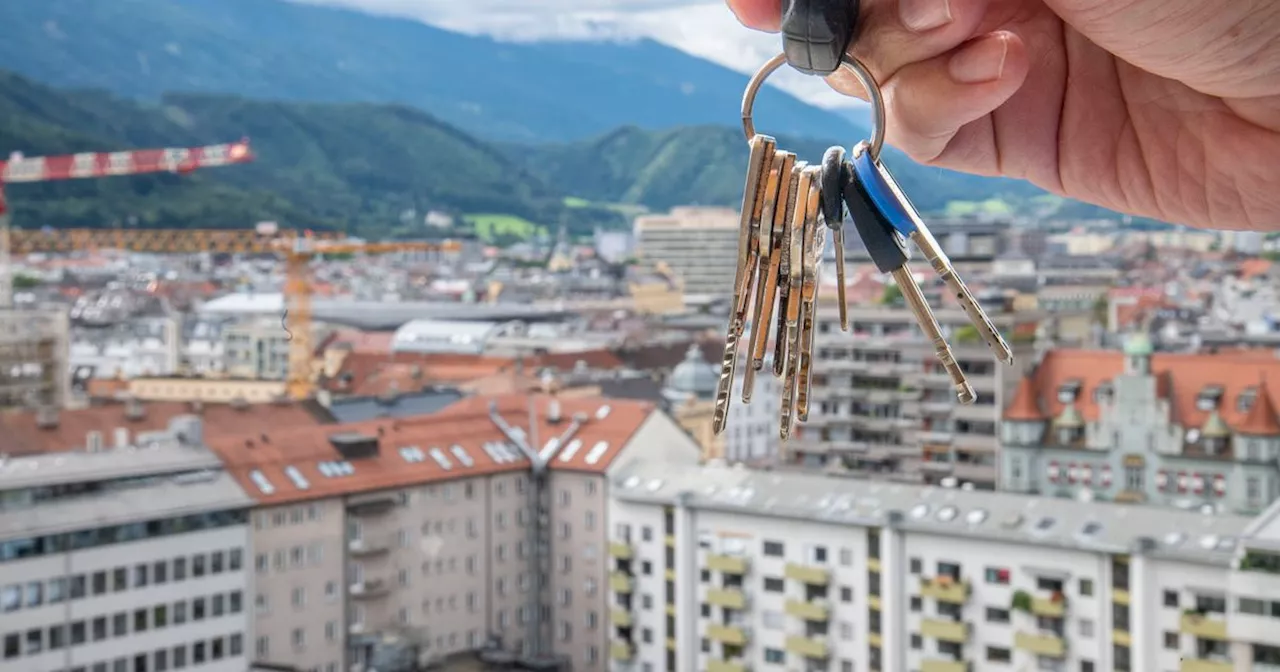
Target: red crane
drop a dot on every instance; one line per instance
(85, 165)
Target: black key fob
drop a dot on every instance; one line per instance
(887, 248)
(833, 179)
(816, 33)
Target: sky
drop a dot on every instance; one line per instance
(704, 28)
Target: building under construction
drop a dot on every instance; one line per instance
(33, 358)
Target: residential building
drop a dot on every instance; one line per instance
(882, 404)
(411, 540)
(33, 358)
(256, 349)
(698, 244)
(727, 569)
(124, 556)
(1190, 430)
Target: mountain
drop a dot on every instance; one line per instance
(353, 166)
(704, 165)
(276, 50)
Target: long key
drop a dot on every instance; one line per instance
(888, 251)
(784, 273)
(807, 201)
(728, 364)
(776, 194)
(887, 197)
(815, 246)
(833, 179)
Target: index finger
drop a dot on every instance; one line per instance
(758, 14)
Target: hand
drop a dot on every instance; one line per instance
(1168, 109)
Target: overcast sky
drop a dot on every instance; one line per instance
(705, 28)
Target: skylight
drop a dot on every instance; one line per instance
(597, 451)
(919, 511)
(439, 457)
(462, 455)
(335, 469)
(1091, 528)
(296, 476)
(570, 450)
(603, 412)
(261, 481)
(1044, 524)
(947, 513)
(976, 516)
(552, 445)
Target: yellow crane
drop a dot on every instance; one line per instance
(297, 249)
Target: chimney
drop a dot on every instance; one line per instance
(240, 404)
(47, 417)
(553, 411)
(121, 438)
(197, 407)
(134, 410)
(93, 442)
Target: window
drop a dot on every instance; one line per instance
(774, 549)
(119, 579)
(140, 575)
(846, 557)
(1172, 641)
(997, 575)
(197, 565)
(299, 597)
(773, 585)
(916, 565)
(772, 619)
(997, 654)
(917, 642)
(997, 615)
(1086, 587)
(1086, 628)
(915, 603)
(262, 647)
(1134, 478)
(1171, 598)
(846, 594)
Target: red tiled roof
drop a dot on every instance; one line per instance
(466, 424)
(1024, 405)
(1181, 378)
(20, 435)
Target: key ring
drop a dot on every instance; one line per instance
(847, 62)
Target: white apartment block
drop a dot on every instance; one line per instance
(727, 569)
(129, 559)
(699, 244)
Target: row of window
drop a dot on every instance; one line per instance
(178, 658)
(34, 594)
(121, 624)
(34, 547)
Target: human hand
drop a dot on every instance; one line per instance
(1168, 109)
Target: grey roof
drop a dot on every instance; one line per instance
(165, 497)
(1120, 528)
(358, 409)
(381, 314)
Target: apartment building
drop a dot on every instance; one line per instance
(1189, 430)
(130, 557)
(698, 244)
(481, 527)
(726, 569)
(881, 403)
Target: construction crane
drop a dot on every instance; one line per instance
(21, 169)
(297, 249)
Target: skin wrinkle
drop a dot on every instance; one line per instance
(1129, 129)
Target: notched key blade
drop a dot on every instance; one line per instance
(766, 279)
(803, 216)
(780, 344)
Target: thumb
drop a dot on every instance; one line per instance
(758, 14)
(1205, 45)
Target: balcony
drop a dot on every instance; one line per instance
(621, 651)
(728, 564)
(621, 550)
(372, 504)
(729, 598)
(814, 576)
(366, 547)
(1121, 638)
(1048, 645)
(620, 617)
(621, 583)
(1207, 626)
(945, 589)
(816, 610)
(1201, 665)
(809, 647)
(726, 666)
(369, 589)
(727, 634)
(945, 666)
(947, 631)
(1120, 596)
(1052, 607)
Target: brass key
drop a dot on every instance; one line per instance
(742, 280)
(780, 344)
(776, 194)
(814, 248)
(804, 215)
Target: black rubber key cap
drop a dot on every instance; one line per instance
(816, 33)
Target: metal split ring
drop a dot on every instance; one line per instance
(849, 63)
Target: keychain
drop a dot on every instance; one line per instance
(786, 201)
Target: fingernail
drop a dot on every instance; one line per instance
(982, 61)
(922, 15)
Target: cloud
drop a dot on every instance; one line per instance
(704, 28)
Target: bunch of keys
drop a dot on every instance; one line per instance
(788, 205)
